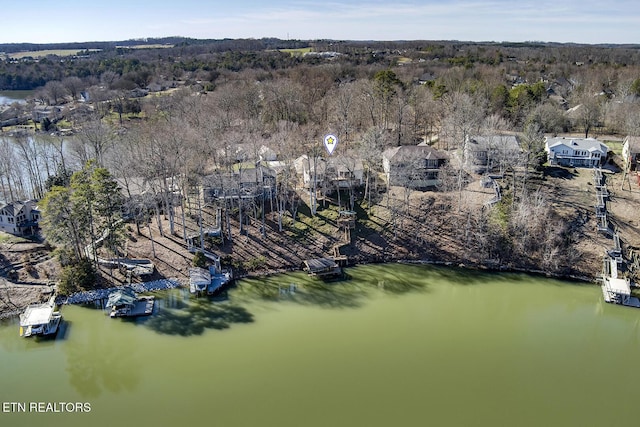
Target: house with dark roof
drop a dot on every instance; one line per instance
(20, 218)
(575, 152)
(414, 166)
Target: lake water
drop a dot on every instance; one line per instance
(394, 346)
(11, 96)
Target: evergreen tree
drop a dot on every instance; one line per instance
(83, 216)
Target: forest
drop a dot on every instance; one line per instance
(188, 126)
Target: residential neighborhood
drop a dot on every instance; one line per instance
(303, 214)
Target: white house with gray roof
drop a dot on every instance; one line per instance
(20, 218)
(578, 152)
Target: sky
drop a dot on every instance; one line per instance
(577, 21)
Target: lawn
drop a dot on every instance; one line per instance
(10, 238)
(46, 52)
(297, 52)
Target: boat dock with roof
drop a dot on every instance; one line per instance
(209, 281)
(125, 303)
(40, 320)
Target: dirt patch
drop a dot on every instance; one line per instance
(15, 298)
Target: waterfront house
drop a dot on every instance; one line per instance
(247, 181)
(578, 152)
(20, 218)
(415, 166)
(631, 152)
(309, 169)
(489, 152)
(345, 171)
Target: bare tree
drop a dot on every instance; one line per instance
(462, 117)
(73, 85)
(55, 91)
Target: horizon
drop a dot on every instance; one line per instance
(488, 21)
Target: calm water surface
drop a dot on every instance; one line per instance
(11, 96)
(394, 346)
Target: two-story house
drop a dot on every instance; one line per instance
(244, 182)
(20, 218)
(489, 152)
(414, 166)
(578, 152)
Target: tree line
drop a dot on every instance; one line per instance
(177, 144)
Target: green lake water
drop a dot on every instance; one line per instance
(396, 345)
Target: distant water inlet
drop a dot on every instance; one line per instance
(11, 96)
(395, 345)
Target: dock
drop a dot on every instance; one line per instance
(125, 303)
(40, 320)
(324, 268)
(209, 281)
(616, 290)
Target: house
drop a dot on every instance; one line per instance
(245, 182)
(251, 152)
(20, 218)
(309, 169)
(585, 152)
(631, 152)
(488, 152)
(344, 171)
(41, 112)
(415, 166)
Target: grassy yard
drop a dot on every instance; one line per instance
(297, 52)
(614, 146)
(46, 52)
(10, 238)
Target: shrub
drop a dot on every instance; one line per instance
(79, 276)
(199, 260)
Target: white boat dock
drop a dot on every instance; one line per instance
(616, 290)
(40, 319)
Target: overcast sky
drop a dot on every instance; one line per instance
(580, 21)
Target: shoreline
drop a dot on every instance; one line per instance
(173, 283)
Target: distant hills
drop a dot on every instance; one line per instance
(264, 43)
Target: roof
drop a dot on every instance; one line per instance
(320, 264)
(122, 297)
(14, 208)
(413, 152)
(36, 315)
(484, 142)
(303, 163)
(619, 286)
(199, 277)
(588, 144)
(633, 142)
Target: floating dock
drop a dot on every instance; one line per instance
(40, 320)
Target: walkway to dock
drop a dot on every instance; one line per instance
(602, 195)
(100, 294)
